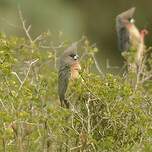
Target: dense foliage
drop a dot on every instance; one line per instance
(107, 113)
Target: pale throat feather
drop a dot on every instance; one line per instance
(135, 37)
(141, 48)
(75, 68)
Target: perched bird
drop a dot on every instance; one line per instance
(124, 27)
(68, 69)
(129, 37)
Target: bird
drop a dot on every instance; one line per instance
(124, 27)
(130, 37)
(69, 68)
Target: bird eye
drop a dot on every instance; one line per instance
(74, 56)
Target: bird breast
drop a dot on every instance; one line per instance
(75, 67)
(135, 37)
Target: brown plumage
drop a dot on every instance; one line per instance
(68, 69)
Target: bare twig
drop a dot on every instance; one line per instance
(74, 148)
(55, 52)
(52, 47)
(26, 29)
(147, 78)
(27, 74)
(37, 38)
(72, 124)
(86, 86)
(17, 77)
(88, 115)
(97, 65)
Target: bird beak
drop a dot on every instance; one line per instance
(132, 21)
(76, 57)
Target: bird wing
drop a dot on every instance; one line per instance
(123, 39)
(63, 80)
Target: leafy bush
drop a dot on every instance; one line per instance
(107, 113)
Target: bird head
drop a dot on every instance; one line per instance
(125, 18)
(70, 57)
